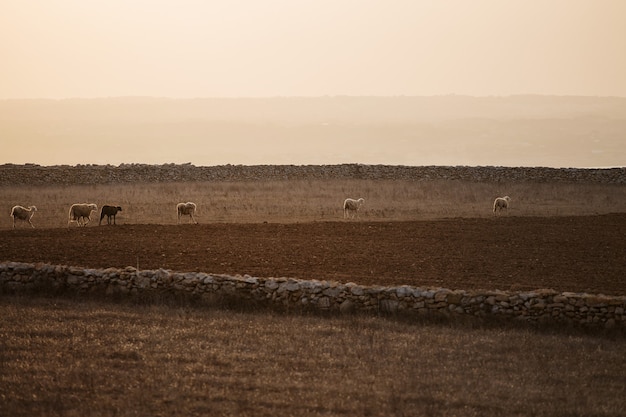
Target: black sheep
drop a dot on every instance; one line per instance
(109, 211)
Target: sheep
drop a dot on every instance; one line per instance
(109, 211)
(501, 203)
(23, 213)
(187, 209)
(351, 205)
(81, 211)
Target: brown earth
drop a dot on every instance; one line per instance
(579, 254)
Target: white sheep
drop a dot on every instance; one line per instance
(501, 203)
(81, 211)
(351, 205)
(186, 209)
(23, 213)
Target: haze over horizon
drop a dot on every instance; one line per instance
(323, 49)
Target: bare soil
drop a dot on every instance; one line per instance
(578, 253)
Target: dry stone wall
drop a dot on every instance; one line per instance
(30, 174)
(532, 306)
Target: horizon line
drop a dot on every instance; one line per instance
(326, 96)
(192, 164)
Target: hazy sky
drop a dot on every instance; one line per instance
(281, 48)
(252, 48)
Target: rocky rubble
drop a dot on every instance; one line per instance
(531, 306)
(30, 174)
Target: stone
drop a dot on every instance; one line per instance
(142, 282)
(250, 280)
(347, 307)
(73, 279)
(542, 305)
(560, 299)
(357, 290)
(441, 295)
(455, 298)
(428, 294)
(324, 302)
(596, 301)
(388, 306)
(404, 291)
(292, 286)
(270, 284)
(332, 292)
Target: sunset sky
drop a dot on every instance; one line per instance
(251, 48)
(283, 48)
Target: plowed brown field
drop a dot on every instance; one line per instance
(580, 253)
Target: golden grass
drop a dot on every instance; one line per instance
(62, 357)
(312, 200)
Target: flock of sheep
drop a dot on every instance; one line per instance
(81, 213)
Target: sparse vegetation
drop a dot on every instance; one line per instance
(83, 357)
(65, 356)
(311, 200)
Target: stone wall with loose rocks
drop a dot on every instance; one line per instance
(532, 306)
(31, 174)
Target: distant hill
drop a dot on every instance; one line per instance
(445, 130)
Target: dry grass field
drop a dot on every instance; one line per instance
(312, 200)
(72, 357)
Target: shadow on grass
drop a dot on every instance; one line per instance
(224, 302)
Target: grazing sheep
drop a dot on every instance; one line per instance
(23, 213)
(351, 205)
(501, 203)
(187, 209)
(81, 211)
(109, 211)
